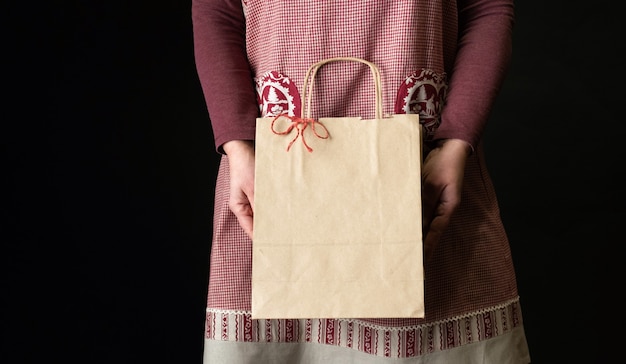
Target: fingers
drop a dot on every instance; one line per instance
(439, 202)
(241, 201)
(244, 213)
(442, 181)
(241, 163)
(432, 237)
(435, 228)
(430, 198)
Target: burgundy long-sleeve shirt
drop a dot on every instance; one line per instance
(475, 69)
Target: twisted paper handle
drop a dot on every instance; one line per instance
(307, 88)
(300, 124)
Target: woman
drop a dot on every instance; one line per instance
(443, 59)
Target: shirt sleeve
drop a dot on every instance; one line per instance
(223, 69)
(483, 56)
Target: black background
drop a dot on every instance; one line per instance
(109, 166)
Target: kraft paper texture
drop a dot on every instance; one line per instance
(338, 230)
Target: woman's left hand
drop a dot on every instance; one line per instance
(442, 181)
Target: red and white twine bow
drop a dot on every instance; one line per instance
(300, 124)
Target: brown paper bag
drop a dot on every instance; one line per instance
(337, 220)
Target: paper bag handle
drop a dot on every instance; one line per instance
(312, 71)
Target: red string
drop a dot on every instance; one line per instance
(300, 124)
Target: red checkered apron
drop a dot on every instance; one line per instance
(470, 287)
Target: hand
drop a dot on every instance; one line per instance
(442, 181)
(241, 161)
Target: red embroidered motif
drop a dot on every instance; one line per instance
(247, 328)
(430, 340)
(450, 336)
(290, 335)
(308, 327)
(423, 92)
(277, 95)
(387, 344)
(489, 327)
(268, 331)
(225, 328)
(468, 331)
(350, 339)
(410, 343)
(330, 332)
(367, 345)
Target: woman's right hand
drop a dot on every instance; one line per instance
(241, 161)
